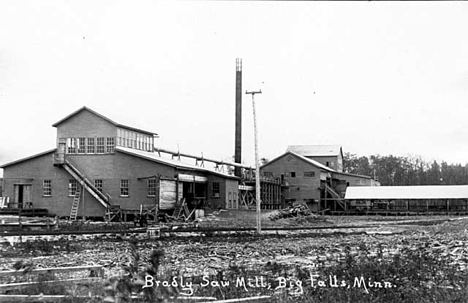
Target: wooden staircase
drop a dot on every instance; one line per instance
(341, 202)
(86, 184)
(75, 205)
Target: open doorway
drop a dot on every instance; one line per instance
(22, 195)
(194, 193)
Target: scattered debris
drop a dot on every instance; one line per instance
(298, 209)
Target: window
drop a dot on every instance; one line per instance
(47, 188)
(215, 189)
(71, 145)
(134, 140)
(309, 174)
(328, 163)
(100, 145)
(72, 187)
(293, 174)
(91, 148)
(81, 145)
(110, 145)
(268, 174)
(98, 185)
(124, 188)
(152, 187)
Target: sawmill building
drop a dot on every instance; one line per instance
(314, 174)
(100, 166)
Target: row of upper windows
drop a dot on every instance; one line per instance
(105, 145)
(134, 140)
(73, 187)
(91, 145)
(292, 174)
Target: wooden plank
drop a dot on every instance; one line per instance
(35, 298)
(98, 268)
(246, 187)
(20, 285)
(239, 300)
(167, 194)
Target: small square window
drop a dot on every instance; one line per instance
(98, 185)
(81, 145)
(124, 191)
(215, 192)
(110, 144)
(71, 145)
(91, 148)
(152, 187)
(47, 188)
(72, 188)
(100, 145)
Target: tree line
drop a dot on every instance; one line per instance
(410, 170)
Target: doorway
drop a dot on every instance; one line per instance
(23, 195)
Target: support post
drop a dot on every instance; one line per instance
(156, 200)
(257, 167)
(83, 202)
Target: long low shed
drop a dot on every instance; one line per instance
(424, 199)
(427, 192)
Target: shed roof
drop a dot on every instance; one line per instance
(102, 117)
(29, 158)
(315, 150)
(310, 161)
(352, 175)
(153, 156)
(407, 192)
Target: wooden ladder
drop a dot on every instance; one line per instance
(179, 207)
(75, 205)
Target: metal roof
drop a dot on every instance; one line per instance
(153, 156)
(407, 192)
(315, 150)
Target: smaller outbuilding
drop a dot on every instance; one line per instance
(314, 181)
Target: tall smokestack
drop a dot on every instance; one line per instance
(238, 139)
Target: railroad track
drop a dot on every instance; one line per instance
(167, 231)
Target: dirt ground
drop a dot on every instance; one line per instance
(210, 255)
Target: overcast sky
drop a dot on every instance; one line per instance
(375, 77)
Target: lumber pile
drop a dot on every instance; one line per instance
(297, 209)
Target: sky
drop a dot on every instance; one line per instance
(388, 78)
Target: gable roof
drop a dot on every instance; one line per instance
(153, 156)
(407, 192)
(315, 150)
(84, 108)
(316, 164)
(28, 158)
(310, 161)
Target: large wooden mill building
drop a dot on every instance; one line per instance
(100, 166)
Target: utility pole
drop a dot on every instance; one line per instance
(257, 167)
